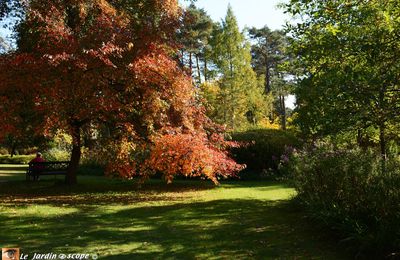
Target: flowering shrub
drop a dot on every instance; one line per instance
(348, 190)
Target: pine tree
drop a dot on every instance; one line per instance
(271, 61)
(193, 37)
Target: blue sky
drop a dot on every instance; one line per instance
(248, 12)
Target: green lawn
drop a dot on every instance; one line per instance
(11, 172)
(185, 220)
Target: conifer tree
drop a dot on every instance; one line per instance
(193, 37)
(239, 94)
(272, 61)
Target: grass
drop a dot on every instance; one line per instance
(116, 219)
(16, 159)
(11, 172)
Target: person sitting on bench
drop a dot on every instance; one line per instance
(37, 168)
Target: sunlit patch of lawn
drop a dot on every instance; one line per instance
(185, 220)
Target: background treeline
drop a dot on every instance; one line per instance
(243, 77)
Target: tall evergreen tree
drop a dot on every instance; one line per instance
(193, 37)
(271, 61)
(239, 96)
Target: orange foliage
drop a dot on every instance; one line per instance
(191, 156)
(94, 62)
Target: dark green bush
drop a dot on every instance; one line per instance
(262, 150)
(91, 169)
(91, 163)
(347, 190)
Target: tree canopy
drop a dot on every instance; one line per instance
(348, 52)
(111, 63)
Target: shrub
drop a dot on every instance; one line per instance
(91, 169)
(262, 150)
(3, 151)
(55, 154)
(91, 163)
(348, 190)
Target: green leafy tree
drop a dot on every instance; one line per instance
(349, 52)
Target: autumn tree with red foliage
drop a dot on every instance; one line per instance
(112, 63)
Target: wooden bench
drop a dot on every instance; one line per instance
(37, 169)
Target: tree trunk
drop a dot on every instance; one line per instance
(382, 142)
(233, 119)
(71, 177)
(224, 107)
(283, 111)
(359, 137)
(190, 64)
(382, 138)
(198, 68)
(13, 149)
(267, 78)
(267, 69)
(233, 96)
(205, 68)
(182, 58)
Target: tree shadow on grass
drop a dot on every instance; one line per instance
(96, 191)
(105, 191)
(220, 229)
